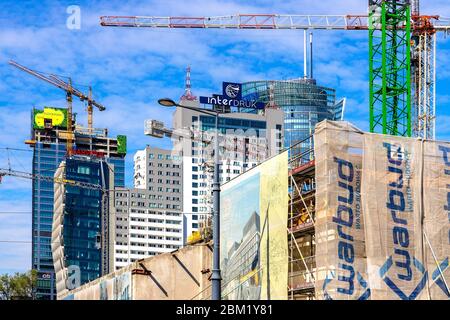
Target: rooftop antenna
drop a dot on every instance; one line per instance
(305, 63)
(187, 89)
(415, 7)
(311, 54)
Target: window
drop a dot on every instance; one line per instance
(84, 170)
(160, 156)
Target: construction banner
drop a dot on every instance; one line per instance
(382, 215)
(392, 202)
(436, 225)
(253, 234)
(341, 268)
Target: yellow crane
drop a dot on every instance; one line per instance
(70, 91)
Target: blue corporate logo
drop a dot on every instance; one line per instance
(365, 295)
(394, 287)
(399, 208)
(232, 97)
(437, 276)
(232, 90)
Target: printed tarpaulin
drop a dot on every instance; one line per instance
(253, 235)
(399, 246)
(340, 251)
(436, 227)
(391, 197)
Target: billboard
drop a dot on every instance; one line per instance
(254, 257)
(231, 97)
(49, 117)
(121, 144)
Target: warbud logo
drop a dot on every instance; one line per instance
(73, 22)
(365, 295)
(438, 274)
(400, 206)
(348, 182)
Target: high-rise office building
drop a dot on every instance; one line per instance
(48, 139)
(304, 104)
(83, 230)
(245, 139)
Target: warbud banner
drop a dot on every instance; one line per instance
(392, 203)
(436, 225)
(382, 215)
(340, 251)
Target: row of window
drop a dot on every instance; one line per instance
(176, 182)
(164, 157)
(161, 165)
(168, 173)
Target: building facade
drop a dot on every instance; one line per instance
(146, 224)
(245, 140)
(304, 104)
(149, 217)
(82, 240)
(49, 149)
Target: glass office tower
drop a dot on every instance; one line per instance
(46, 158)
(78, 219)
(304, 104)
(49, 150)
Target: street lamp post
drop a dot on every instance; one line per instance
(216, 278)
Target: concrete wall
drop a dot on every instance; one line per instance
(182, 274)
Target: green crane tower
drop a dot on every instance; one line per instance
(390, 66)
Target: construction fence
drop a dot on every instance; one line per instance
(382, 215)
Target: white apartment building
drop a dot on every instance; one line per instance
(149, 218)
(245, 140)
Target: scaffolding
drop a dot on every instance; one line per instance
(301, 233)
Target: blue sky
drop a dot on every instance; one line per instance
(129, 69)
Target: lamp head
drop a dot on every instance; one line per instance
(166, 102)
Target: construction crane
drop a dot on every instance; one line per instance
(103, 237)
(388, 21)
(26, 175)
(70, 91)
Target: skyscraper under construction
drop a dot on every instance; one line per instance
(48, 139)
